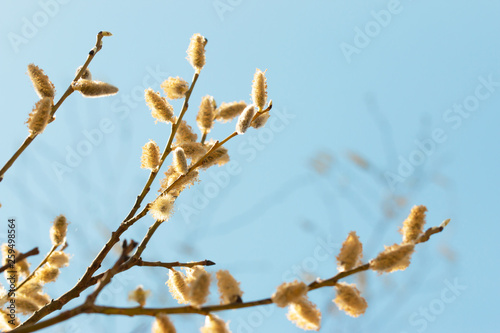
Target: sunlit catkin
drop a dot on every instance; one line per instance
(21, 266)
(39, 117)
(58, 230)
(206, 114)
(198, 285)
(161, 110)
(305, 314)
(194, 150)
(58, 259)
(229, 288)
(47, 274)
(259, 89)
(349, 299)
(139, 295)
(175, 87)
(6, 322)
(185, 133)
(413, 226)
(289, 292)
(150, 158)
(25, 305)
(219, 156)
(177, 286)
(162, 207)
(214, 324)
(350, 253)
(228, 111)
(163, 324)
(86, 75)
(196, 52)
(41, 82)
(393, 258)
(93, 89)
(179, 161)
(261, 120)
(245, 119)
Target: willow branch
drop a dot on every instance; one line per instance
(32, 252)
(54, 247)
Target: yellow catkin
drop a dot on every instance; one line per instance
(139, 295)
(163, 324)
(86, 75)
(349, 299)
(8, 321)
(289, 292)
(261, 120)
(58, 259)
(150, 158)
(214, 324)
(305, 314)
(39, 117)
(175, 87)
(46, 274)
(228, 111)
(219, 156)
(40, 299)
(58, 230)
(196, 52)
(25, 305)
(198, 286)
(229, 288)
(30, 288)
(413, 226)
(171, 176)
(161, 110)
(162, 207)
(179, 161)
(245, 119)
(177, 286)
(350, 253)
(393, 258)
(41, 82)
(93, 89)
(185, 133)
(206, 114)
(259, 90)
(194, 150)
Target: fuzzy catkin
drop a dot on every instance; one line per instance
(259, 90)
(349, 299)
(58, 230)
(245, 119)
(413, 226)
(6, 322)
(179, 161)
(350, 253)
(58, 259)
(41, 82)
(86, 75)
(175, 87)
(93, 89)
(25, 305)
(177, 286)
(21, 266)
(206, 114)
(289, 292)
(261, 120)
(214, 324)
(161, 110)
(196, 52)
(139, 295)
(219, 156)
(193, 150)
(229, 288)
(46, 274)
(393, 258)
(150, 158)
(185, 133)
(39, 117)
(163, 324)
(305, 314)
(199, 284)
(228, 111)
(162, 207)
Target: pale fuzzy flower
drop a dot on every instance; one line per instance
(219, 156)
(22, 267)
(229, 288)
(163, 324)
(31, 287)
(245, 119)
(196, 52)
(58, 259)
(179, 161)
(289, 292)
(177, 286)
(162, 207)
(349, 299)
(185, 133)
(413, 226)
(25, 305)
(6, 322)
(40, 299)
(214, 324)
(86, 75)
(139, 295)
(305, 315)
(194, 150)
(198, 286)
(179, 184)
(350, 253)
(58, 230)
(92, 89)
(150, 158)
(161, 110)
(175, 87)
(261, 120)
(393, 258)
(206, 114)
(228, 111)
(259, 89)
(46, 274)
(39, 117)
(41, 82)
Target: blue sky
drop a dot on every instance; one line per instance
(411, 86)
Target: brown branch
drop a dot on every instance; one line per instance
(32, 252)
(54, 247)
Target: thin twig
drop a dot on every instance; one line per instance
(32, 252)
(54, 247)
